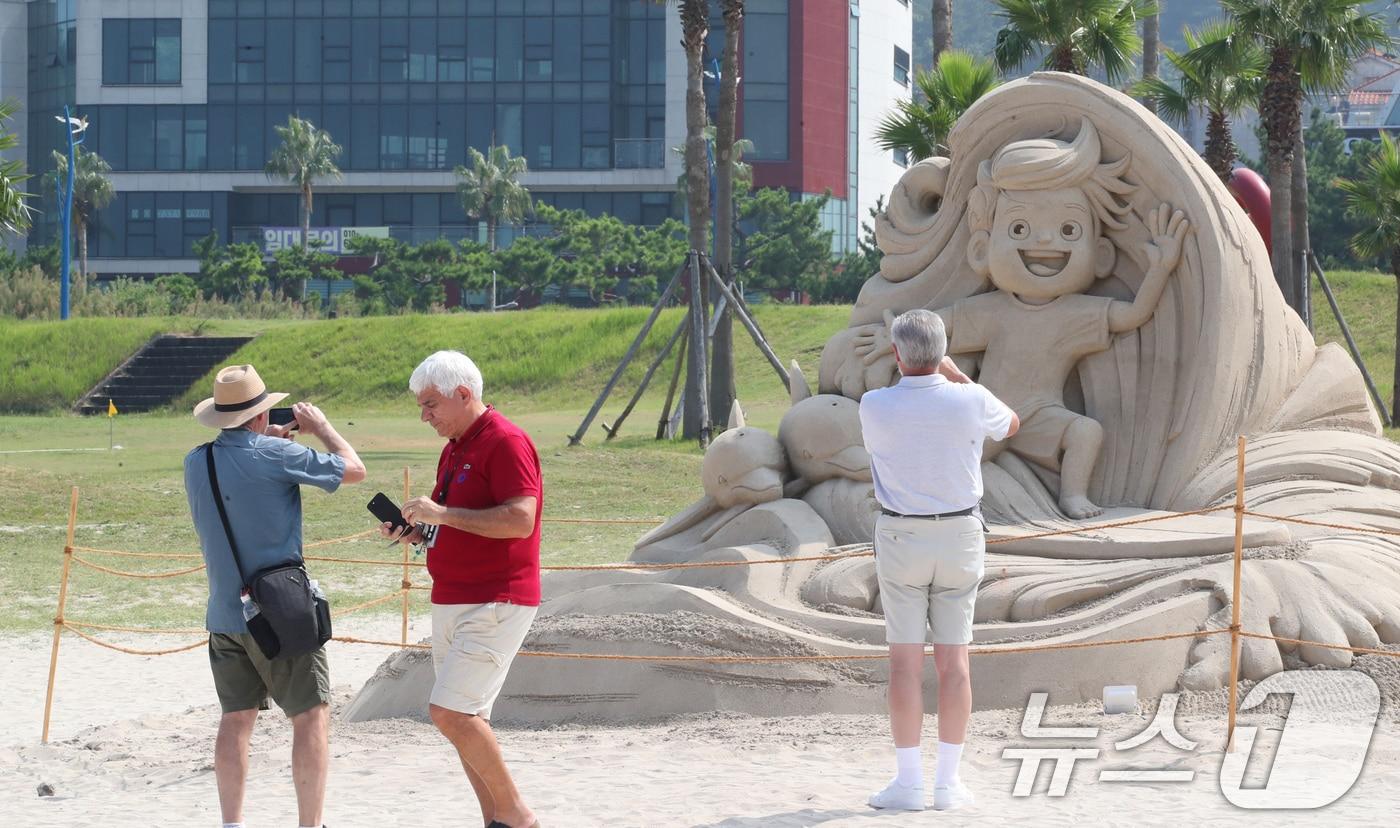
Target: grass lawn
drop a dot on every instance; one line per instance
(134, 499)
(543, 369)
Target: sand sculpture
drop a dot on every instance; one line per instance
(1098, 277)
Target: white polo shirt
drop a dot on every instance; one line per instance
(925, 438)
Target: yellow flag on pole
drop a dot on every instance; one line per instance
(111, 409)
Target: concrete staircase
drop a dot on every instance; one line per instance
(159, 373)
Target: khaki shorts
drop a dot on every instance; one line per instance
(244, 678)
(929, 571)
(473, 646)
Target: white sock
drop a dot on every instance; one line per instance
(946, 773)
(910, 762)
(233, 825)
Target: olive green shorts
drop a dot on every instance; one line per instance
(244, 678)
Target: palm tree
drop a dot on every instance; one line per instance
(695, 26)
(92, 191)
(942, 28)
(1375, 199)
(305, 154)
(921, 128)
(722, 359)
(14, 212)
(490, 191)
(1074, 35)
(1311, 45)
(1151, 47)
(1224, 83)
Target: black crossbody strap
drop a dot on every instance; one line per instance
(223, 515)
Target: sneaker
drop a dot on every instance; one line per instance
(897, 797)
(948, 797)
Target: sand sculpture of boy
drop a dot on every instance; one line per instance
(1038, 218)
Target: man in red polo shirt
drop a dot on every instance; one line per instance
(484, 559)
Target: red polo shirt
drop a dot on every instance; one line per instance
(493, 462)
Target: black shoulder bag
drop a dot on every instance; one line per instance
(291, 620)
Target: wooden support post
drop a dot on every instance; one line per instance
(663, 424)
(407, 583)
(62, 602)
(646, 380)
(699, 357)
(752, 327)
(1235, 597)
(577, 437)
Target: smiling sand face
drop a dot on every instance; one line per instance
(1045, 244)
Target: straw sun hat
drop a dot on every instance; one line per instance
(239, 396)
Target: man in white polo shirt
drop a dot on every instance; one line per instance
(925, 437)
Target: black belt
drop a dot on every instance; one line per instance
(960, 513)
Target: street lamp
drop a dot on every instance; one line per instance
(76, 128)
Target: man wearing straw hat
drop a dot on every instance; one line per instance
(925, 438)
(484, 558)
(260, 471)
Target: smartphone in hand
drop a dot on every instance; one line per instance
(387, 511)
(282, 417)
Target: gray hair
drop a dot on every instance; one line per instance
(920, 338)
(445, 371)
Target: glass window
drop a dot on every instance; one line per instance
(196, 138)
(452, 132)
(140, 224)
(140, 138)
(112, 130)
(425, 150)
(364, 42)
(568, 49)
(308, 51)
(221, 122)
(766, 124)
(510, 49)
(369, 210)
(393, 144)
(170, 138)
(140, 51)
(567, 146)
(249, 131)
(252, 51)
(279, 53)
(167, 48)
(423, 50)
(481, 51)
(901, 66)
(508, 127)
(364, 142)
(538, 136)
(481, 123)
(398, 209)
(335, 119)
(222, 46)
(114, 51)
(765, 51)
(169, 219)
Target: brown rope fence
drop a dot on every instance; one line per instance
(834, 553)
(139, 575)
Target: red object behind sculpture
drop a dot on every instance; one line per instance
(1253, 195)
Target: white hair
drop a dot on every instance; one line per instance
(445, 371)
(921, 339)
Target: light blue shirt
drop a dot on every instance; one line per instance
(925, 438)
(260, 478)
